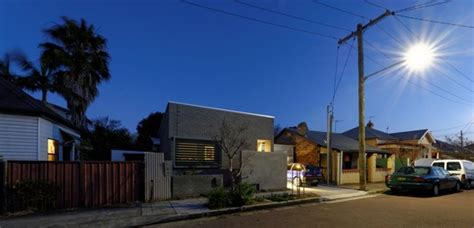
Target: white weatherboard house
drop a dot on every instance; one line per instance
(31, 130)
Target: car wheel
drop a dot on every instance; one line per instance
(297, 182)
(457, 188)
(394, 191)
(468, 184)
(435, 190)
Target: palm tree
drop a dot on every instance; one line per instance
(5, 68)
(43, 78)
(82, 60)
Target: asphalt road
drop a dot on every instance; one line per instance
(407, 210)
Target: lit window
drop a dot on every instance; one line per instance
(53, 149)
(209, 154)
(264, 145)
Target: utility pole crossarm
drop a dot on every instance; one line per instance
(371, 22)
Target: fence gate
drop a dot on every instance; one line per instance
(157, 177)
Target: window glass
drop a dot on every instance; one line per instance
(439, 164)
(264, 145)
(53, 150)
(453, 166)
(414, 171)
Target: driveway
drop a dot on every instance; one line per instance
(329, 192)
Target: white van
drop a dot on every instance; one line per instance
(462, 169)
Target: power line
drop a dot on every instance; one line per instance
(374, 4)
(435, 22)
(293, 16)
(436, 94)
(458, 71)
(340, 10)
(454, 127)
(342, 72)
(260, 21)
(376, 48)
(424, 5)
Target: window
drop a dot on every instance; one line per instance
(453, 166)
(53, 150)
(439, 164)
(264, 145)
(196, 153)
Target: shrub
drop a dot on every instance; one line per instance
(34, 195)
(218, 198)
(242, 194)
(281, 197)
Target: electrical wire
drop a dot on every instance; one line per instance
(374, 4)
(342, 72)
(292, 16)
(434, 21)
(454, 127)
(340, 10)
(260, 21)
(424, 5)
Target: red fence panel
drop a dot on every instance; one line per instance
(83, 184)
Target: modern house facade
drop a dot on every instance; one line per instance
(30, 130)
(188, 138)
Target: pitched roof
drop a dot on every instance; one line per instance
(339, 141)
(370, 133)
(410, 135)
(15, 101)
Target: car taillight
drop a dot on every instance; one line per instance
(419, 179)
(463, 177)
(387, 178)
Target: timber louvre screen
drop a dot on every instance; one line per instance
(196, 153)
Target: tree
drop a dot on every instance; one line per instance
(458, 140)
(231, 139)
(147, 128)
(6, 70)
(43, 78)
(80, 53)
(105, 134)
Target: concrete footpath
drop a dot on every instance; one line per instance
(166, 211)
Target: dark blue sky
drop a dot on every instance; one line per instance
(168, 50)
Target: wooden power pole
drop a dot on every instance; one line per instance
(358, 34)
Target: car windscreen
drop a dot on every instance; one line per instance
(419, 171)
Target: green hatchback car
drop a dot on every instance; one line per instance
(421, 178)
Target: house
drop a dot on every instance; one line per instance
(310, 148)
(188, 138)
(409, 145)
(30, 130)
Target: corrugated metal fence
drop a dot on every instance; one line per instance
(157, 177)
(82, 184)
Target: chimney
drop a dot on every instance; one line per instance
(302, 128)
(370, 125)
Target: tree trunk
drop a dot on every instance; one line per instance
(231, 171)
(44, 97)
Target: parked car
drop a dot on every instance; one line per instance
(462, 169)
(299, 174)
(422, 178)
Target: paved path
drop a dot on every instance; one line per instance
(449, 210)
(329, 192)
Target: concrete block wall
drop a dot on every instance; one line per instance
(185, 186)
(267, 169)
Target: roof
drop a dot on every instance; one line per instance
(370, 133)
(221, 109)
(339, 141)
(15, 101)
(410, 135)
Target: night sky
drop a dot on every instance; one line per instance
(169, 50)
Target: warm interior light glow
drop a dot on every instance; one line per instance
(419, 57)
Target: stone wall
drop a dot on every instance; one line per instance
(268, 170)
(194, 185)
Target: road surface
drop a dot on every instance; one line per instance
(407, 210)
